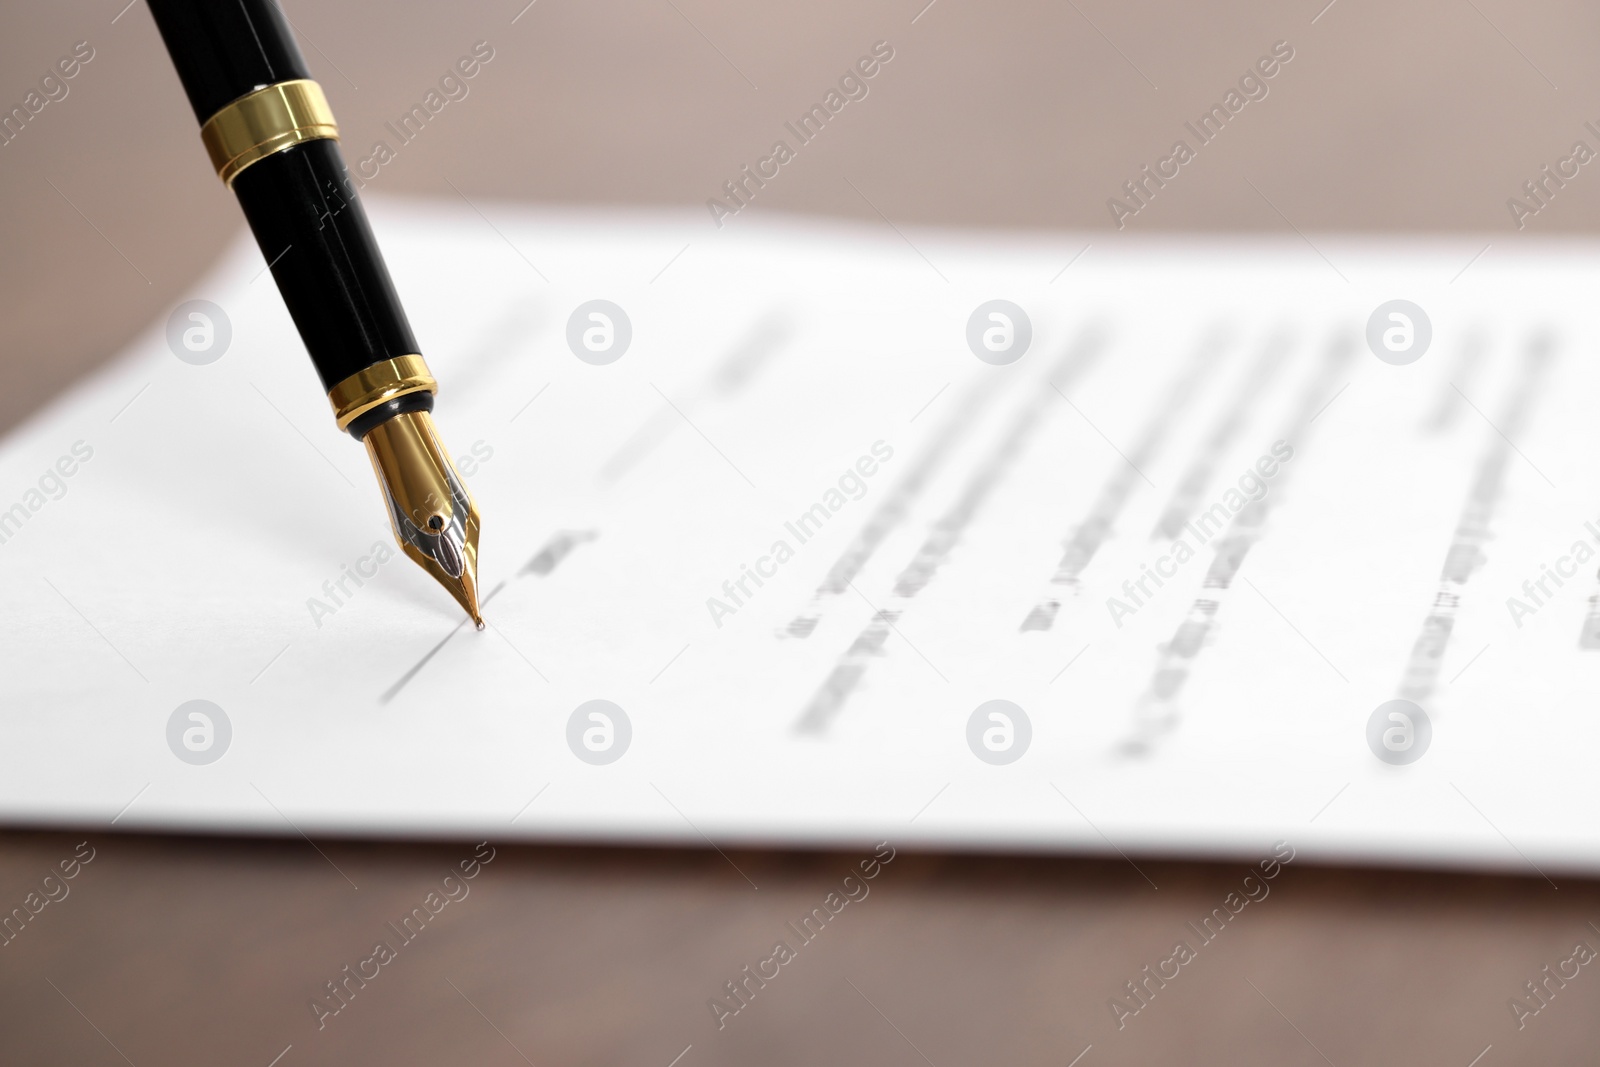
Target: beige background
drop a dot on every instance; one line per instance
(1414, 117)
(1391, 117)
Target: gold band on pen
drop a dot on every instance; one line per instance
(268, 120)
(379, 384)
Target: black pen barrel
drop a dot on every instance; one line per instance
(224, 49)
(311, 227)
(297, 195)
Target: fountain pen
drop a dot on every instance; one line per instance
(273, 140)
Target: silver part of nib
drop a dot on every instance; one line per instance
(430, 510)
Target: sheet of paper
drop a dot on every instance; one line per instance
(799, 535)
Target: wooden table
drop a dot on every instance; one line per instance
(200, 950)
(207, 951)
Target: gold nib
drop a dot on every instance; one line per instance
(432, 513)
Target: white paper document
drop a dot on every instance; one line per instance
(809, 563)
